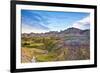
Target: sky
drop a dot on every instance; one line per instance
(39, 21)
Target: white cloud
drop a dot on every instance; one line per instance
(29, 29)
(82, 24)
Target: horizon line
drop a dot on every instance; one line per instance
(55, 31)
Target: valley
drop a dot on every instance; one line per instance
(69, 44)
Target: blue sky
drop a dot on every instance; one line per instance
(44, 21)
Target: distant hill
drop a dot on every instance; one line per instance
(70, 31)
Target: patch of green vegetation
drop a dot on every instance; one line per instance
(49, 44)
(24, 44)
(46, 57)
(35, 45)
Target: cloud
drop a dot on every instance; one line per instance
(83, 23)
(32, 21)
(29, 29)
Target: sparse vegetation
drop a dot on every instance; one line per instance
(55, 48)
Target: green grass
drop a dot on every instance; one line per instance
(35, 45)
(46, 57)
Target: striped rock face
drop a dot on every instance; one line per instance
(26, 55)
